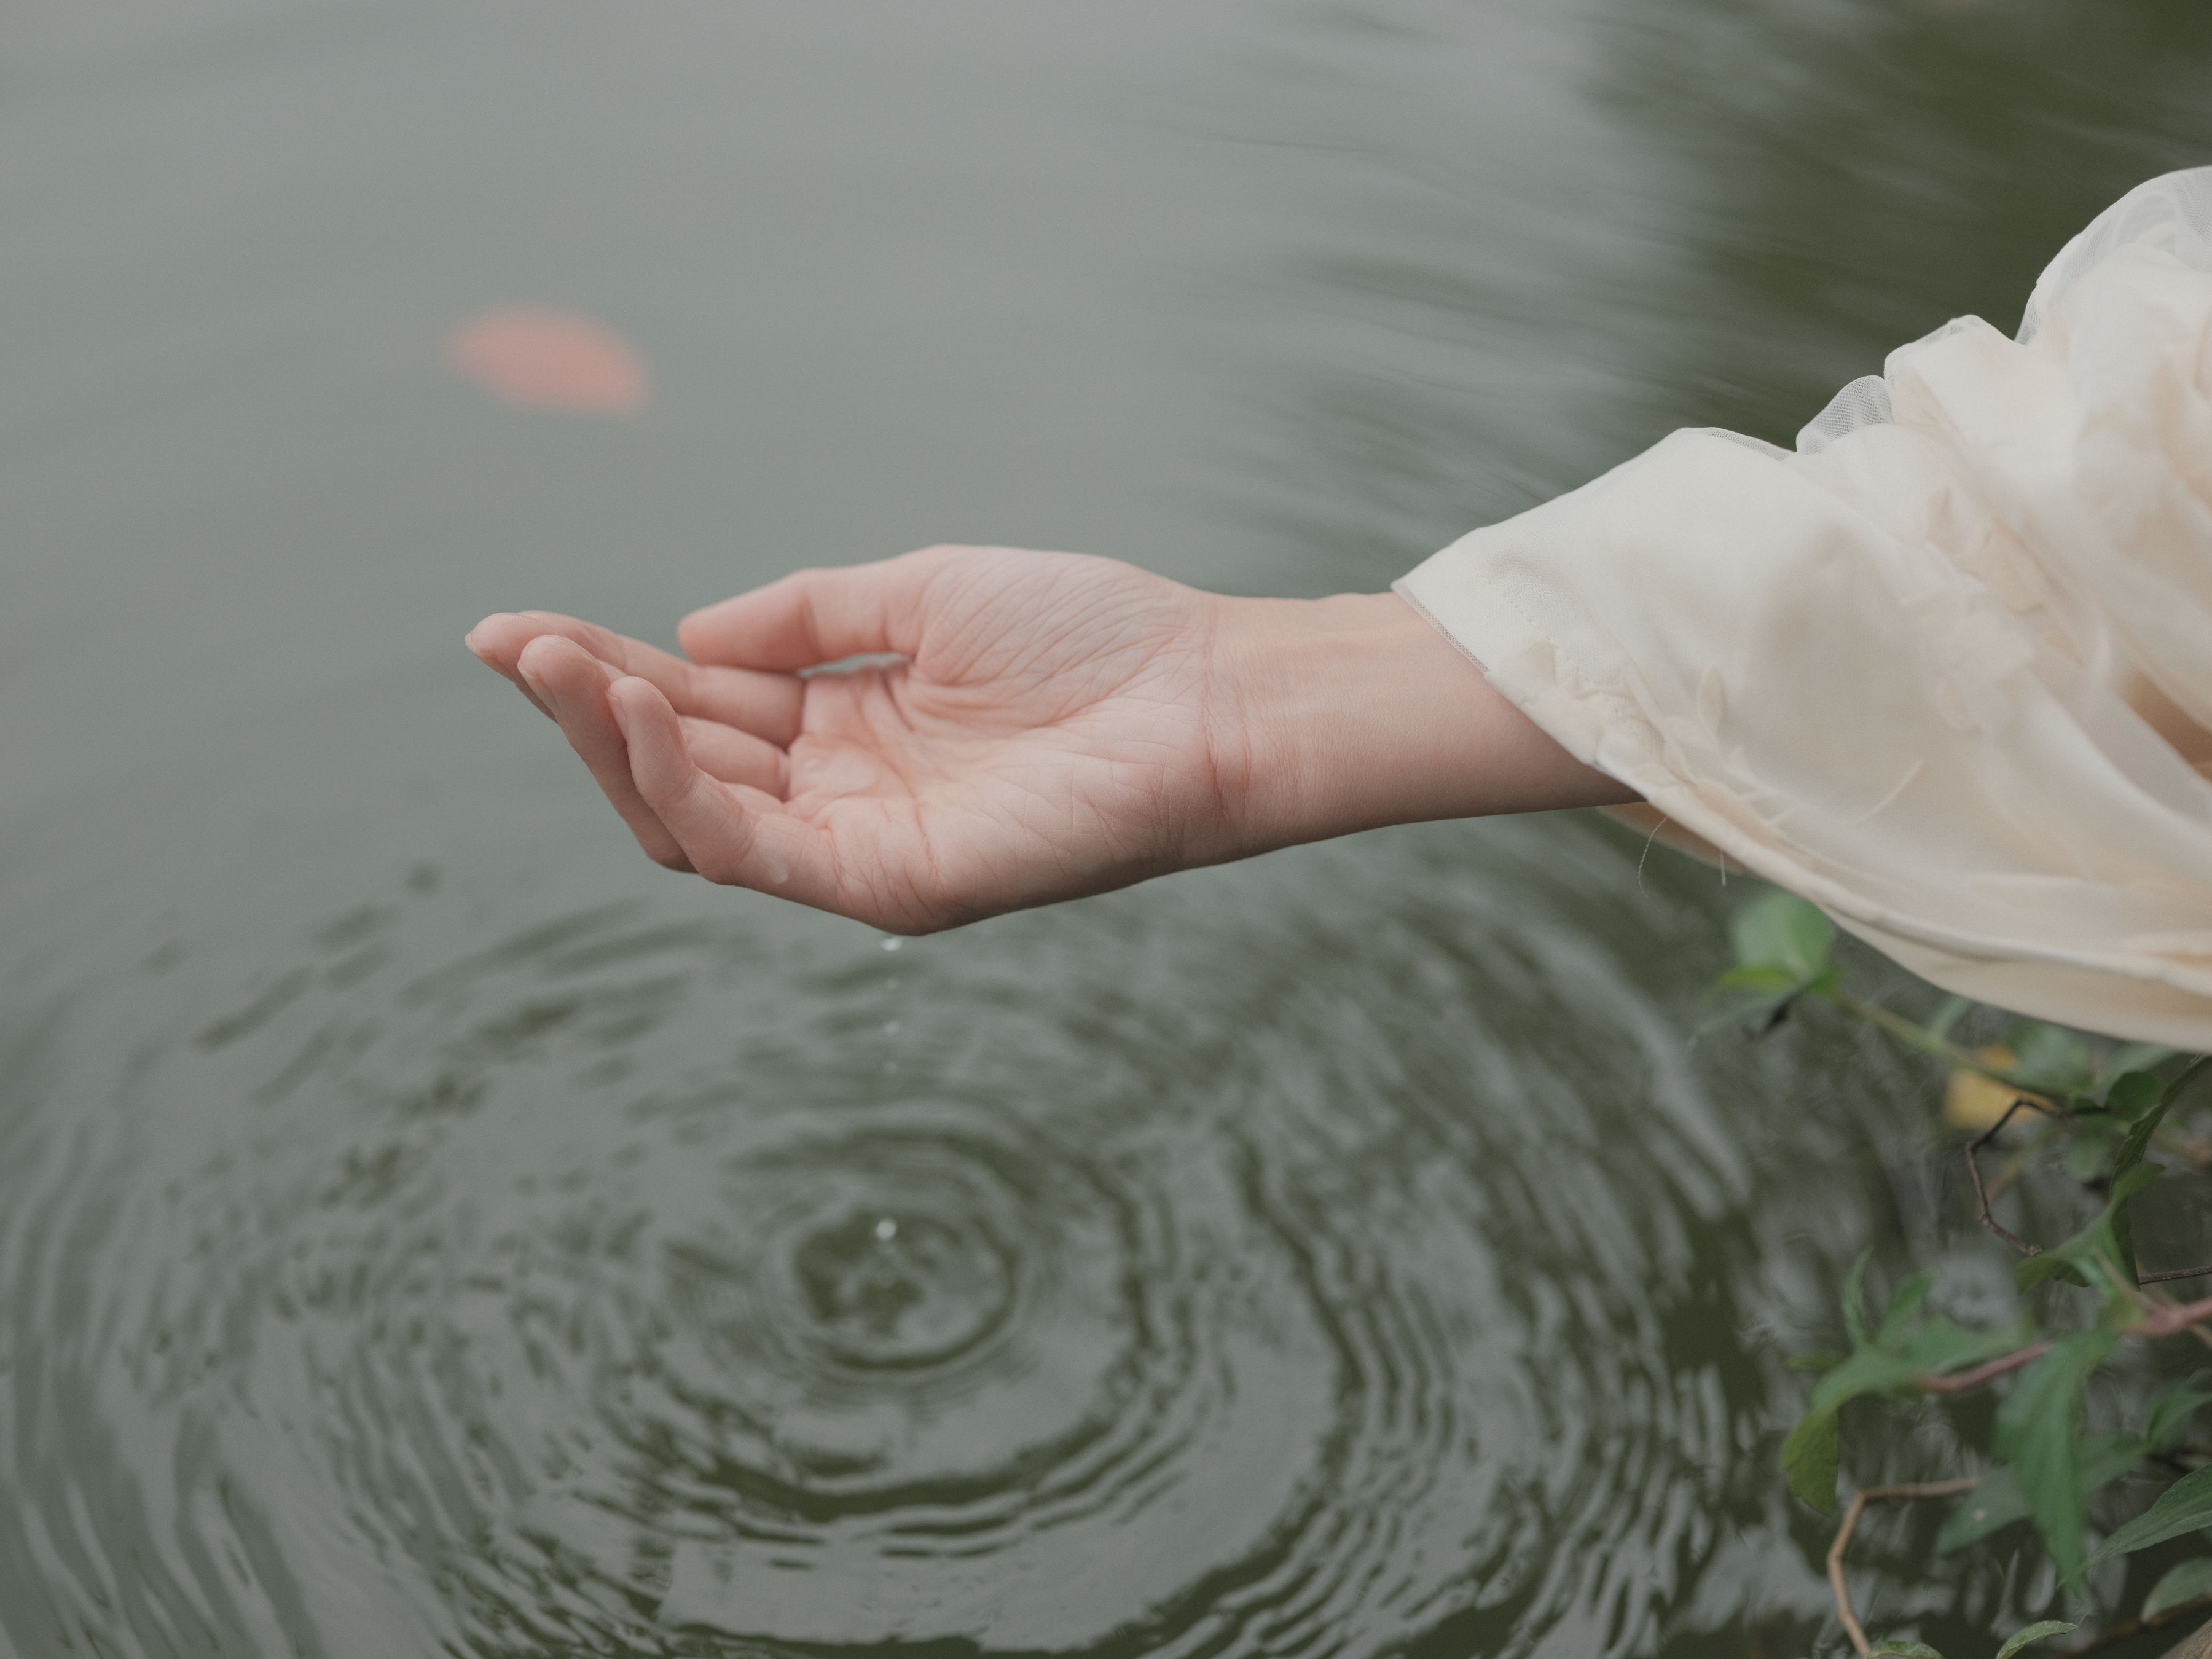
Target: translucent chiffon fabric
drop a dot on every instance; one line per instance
(1945, 669)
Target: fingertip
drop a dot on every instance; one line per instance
(641, 712)
(660, 767)
(696, 630)
(760, 627)
(634, 691)
(482, 639)
(535, 659)
(547, 651)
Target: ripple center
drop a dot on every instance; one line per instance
(900, 1290)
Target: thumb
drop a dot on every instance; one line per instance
(817, 617)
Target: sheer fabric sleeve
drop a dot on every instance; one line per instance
(1946, 668)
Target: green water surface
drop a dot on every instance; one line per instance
(426, 1228)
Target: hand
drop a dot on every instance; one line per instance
(1053, 726)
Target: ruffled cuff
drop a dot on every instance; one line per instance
(1939, 668)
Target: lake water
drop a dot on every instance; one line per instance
(427, 1227)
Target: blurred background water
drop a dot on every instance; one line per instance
(425, 1227)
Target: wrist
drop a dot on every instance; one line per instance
(1353, 712)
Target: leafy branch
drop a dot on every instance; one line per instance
(2101, 1113)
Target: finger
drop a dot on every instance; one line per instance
(497, 642)
(573, 687)
(816, 616)
(734, 757)
(733, 834)
(765, 704)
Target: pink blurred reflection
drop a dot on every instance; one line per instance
(543, 357)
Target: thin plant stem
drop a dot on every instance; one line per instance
(2163, 1318)
(2127, 1627)
(1860, 1500)
(1961, 1382)
(1914, 1037)
(1974, 1170)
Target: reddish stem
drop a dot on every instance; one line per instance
(2161, 1319)
(1959, 1381)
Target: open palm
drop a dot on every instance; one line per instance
(1052, 725)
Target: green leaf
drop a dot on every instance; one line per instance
(1901, 1649)
(1867, 1370)
(2087, 1153)
(1854, 1311)
(1854, 1308)
(1776, 990)
(2187, 1075)
(2036, 1434)
(2180, 1586)
(2129, 1157)
(2034, 1269)
(1909, 1346)
(2000, 1500)
(1812, 1362)
(1810, 1459)
(1936, 1344)
(2020, 1638)
(2126, 1183)
(1759, 1013)
(1780, 930)
(1953, 1009)
(1895, 1367)
(2184, 1506)
(2128, 1164)
(2130, 1180)
(2086, 1258)
(1903, 1306)
(2170, 1414)
(2136, 1057)
(1759, 976)
(2134, 1093)
(2050, 1057)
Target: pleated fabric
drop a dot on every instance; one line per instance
(1946, 668)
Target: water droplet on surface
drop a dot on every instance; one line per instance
(879, 1294)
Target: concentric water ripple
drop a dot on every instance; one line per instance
(633, 1286)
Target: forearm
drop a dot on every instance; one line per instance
(1353, 712)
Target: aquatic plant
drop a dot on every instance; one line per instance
(2051, 1105)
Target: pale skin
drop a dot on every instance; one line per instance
(1056, 726)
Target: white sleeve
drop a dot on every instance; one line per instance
(1945, 669)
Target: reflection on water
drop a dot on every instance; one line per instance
(1343, 1254)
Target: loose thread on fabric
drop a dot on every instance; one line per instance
(1664, 821)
